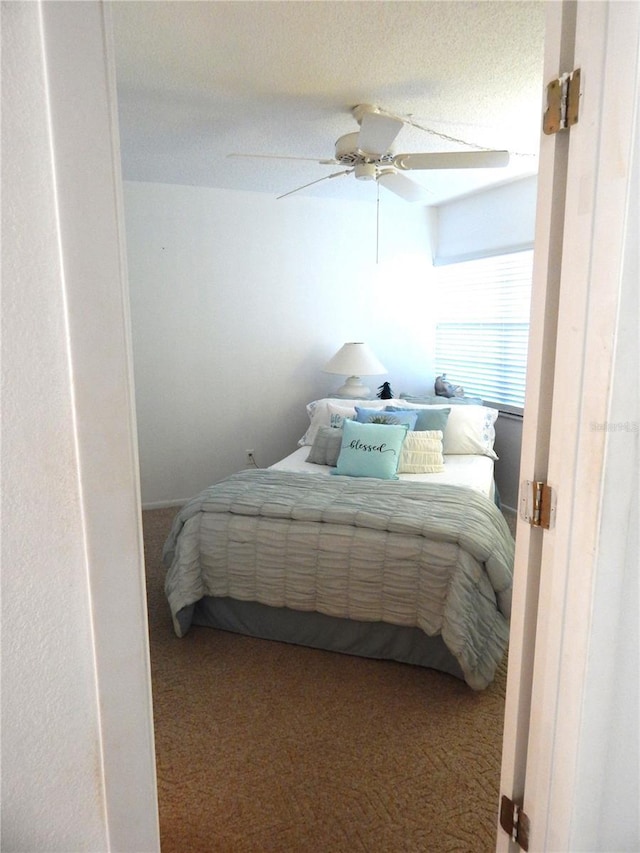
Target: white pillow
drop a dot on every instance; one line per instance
(319, 415)
(337, 415)
(469, 429)
(422, 453)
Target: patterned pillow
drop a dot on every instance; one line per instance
(337, 414)
(326, 446)
(422, 453)
(470, 430)
(370, 450)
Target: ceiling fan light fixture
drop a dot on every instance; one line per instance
(365, 171)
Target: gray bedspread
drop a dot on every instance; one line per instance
(430, 556)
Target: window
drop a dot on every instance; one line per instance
(482, 328)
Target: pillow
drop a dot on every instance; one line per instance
(388, 415)
(469, 431)
(422, 453)
(428, 419)
(318, 411)
(337, 415)
(326, 446)
(370, 450)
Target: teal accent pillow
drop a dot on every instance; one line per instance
(428, 419)
(370, 450)
(388, 415)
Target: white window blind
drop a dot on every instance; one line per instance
(482, 327)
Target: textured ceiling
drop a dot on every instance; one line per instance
(198, 81)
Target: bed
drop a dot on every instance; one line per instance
(409, 560)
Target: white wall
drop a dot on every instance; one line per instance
(238, 300)
(491, 222)
(77, 742)
(237, 297)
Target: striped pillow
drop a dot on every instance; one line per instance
(422, 453)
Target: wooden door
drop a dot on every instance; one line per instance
(581, 222)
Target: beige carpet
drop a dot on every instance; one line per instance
(263, 746)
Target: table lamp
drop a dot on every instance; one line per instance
(354, 359)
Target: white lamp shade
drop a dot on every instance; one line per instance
(354, 359)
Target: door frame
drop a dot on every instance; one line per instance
(86, 176)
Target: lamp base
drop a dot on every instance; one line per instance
(353, 389)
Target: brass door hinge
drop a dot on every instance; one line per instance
(563, 103)
(514, 822)
(537, 504)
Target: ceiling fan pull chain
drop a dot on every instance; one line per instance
(475, 145)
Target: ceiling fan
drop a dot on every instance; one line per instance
(368, 156)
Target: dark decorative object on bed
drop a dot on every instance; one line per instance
(444, 388)
(385, 392)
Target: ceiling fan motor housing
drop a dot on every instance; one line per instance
(348, 153)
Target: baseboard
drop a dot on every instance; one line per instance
(163, 504)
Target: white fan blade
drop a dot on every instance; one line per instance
(284, 157)
(377, 133)
(452, 160)
(311, 183)
(403, 186)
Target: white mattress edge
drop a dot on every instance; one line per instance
(475, 472)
